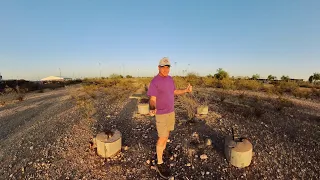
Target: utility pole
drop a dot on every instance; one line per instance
(100, 69)
(176, 69)
(60, 71)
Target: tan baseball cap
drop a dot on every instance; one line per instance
(164, 62)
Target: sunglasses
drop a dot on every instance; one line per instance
(166, 66)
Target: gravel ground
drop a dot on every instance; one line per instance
(47, 137)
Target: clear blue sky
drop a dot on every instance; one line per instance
(278, 37)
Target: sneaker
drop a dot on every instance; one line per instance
(163, 170)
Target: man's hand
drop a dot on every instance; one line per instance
(153, 112)
(189, 88)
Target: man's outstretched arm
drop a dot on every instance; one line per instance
(182, 91)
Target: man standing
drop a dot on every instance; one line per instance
(161, 92)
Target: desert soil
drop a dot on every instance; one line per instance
(46, 136)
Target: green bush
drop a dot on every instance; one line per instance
(243, 84)
(226, 83)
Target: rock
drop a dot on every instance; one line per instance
(171, 178)
(171, 164)
(31, 148)
(148, 161)
(202, 173)
(175, 155)
(188, 164)
(195, 135)
(108, 116)
(208, 142)
(196, 156)
(203, 157)
(126, 148)
(171, 158)
(168, 141)
(207, 173)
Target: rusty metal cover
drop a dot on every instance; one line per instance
(102, 137)
(243, 146)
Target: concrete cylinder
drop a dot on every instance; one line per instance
(143, 108)
(238, 152)
(202, 110)
(108, 146)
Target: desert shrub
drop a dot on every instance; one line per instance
(306, 84)
(143, 81)
(116, 76)
(128, 76)
(269, 89)
(20, 97)
(244, 84)
(282, 102)
(315, 92)
(288, 87)
(180, 82)
(209, 82)
(85, 105)
(221, 74)
(194, 79)
(226, 83)
(189, 104)
(302, 93)
(126, 84)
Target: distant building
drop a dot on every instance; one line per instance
(55, 78)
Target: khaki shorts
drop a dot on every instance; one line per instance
(165, 123)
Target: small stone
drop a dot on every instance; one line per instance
(208, 142)
(171, 164)
(207, 173)
(202, 173)
(31, 148)
(175, 155)
(171, 158)
(188, 164)
(168, 141)
(148, 161)
(203, 157)
(195, 135)
(108, 116)
(171, 178)
(196, 156)
(126, 148)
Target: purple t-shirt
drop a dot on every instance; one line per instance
(163, 89)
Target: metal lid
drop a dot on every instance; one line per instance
(103, 137)
(243, 146)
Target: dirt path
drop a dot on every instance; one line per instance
(28, 128)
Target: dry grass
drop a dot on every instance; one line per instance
(189, 103)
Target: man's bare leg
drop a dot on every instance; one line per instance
(161, 145)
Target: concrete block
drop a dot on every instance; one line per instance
(143, 108)
(108, 145)
(202, 110)
(238, 152)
